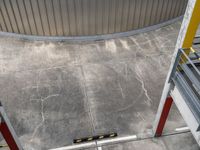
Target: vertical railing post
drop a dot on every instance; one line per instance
(163, 116)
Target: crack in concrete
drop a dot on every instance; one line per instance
(149, 100)
(130, 105)
(121, 90)
(42, 114)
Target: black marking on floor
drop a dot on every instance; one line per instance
(93, 138)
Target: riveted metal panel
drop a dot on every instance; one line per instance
(44, 19)
(105, 16)
(125, 15)
(2, 22)
(131, 14)
(112, 15)
(118, 15)
(31, 18)
(37, 16)
(24, 16)
(65, 17)
(149, 11)
(17, 14)
(85, 17)
(9, 16)
(99, 15)
(136, 21)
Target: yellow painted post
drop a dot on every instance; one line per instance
(192, 28)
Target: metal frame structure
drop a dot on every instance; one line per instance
(8, 132)
(183, 81)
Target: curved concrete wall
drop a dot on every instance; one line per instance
(84, 17)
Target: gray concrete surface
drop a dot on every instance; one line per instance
(56, 91)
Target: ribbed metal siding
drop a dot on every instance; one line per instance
(84, 17)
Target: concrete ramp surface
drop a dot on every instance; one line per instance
(54, 92)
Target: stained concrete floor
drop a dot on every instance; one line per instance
(54, 92)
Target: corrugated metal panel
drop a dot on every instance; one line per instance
(30, 17)
(84, 17)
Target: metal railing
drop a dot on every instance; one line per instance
(186, 76)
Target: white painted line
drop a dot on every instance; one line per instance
(99, 148)
(182, 129)
(116, 140)
(98, 144)
(76, 146)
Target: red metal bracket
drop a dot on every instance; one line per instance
(8, 136)
(8, 132)
(163, 117)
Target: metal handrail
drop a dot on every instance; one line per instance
(186, 77)
(183, 63)
(193, 76)
(189, 60)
